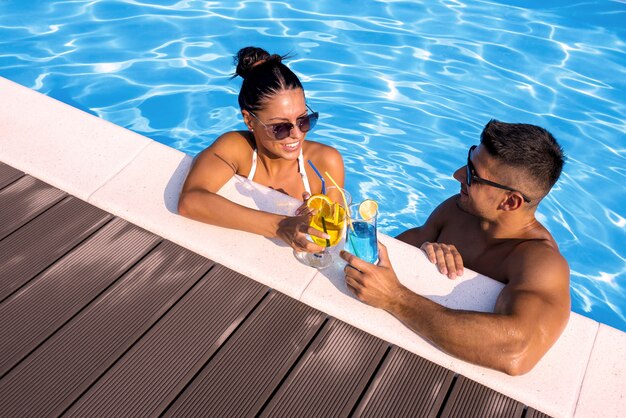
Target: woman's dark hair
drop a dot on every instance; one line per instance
(529, 147)
(263, 75)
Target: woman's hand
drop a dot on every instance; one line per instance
(304, 209)
(447, 258)
(294, 229)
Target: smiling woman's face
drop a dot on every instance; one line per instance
(284, 107)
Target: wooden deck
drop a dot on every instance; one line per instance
(101, 318)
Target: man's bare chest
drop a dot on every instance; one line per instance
(489, 259)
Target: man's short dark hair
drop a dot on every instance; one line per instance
(525, 146)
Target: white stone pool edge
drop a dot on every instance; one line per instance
(138, 179)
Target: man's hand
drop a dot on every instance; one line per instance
(447, 258)
(376, 285)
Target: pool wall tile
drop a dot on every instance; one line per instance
(602, 393)
(73, 150)
(146, 192)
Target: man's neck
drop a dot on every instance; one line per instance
(511, 227)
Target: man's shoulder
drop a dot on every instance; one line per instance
(538, 248)
(538, 258)
(539, 242)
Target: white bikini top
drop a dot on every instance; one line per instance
(305, 179)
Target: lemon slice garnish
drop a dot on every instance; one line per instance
(368, 209)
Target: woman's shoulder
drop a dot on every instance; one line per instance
(233, 148)
(326, 159)
(232, 144)
(234, 139)
(316, 150)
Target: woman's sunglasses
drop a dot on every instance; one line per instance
(282, 130)
(470, 176)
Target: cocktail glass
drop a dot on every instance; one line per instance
(361, 239)
(330, 218)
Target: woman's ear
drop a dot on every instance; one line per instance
(247, 119)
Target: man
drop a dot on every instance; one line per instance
(490, 227)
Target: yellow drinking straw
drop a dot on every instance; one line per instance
(345, 201)
(343, 195)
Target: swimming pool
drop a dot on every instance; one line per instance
(403, 89)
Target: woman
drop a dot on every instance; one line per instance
(271, 152)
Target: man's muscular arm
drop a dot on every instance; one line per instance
(531, 312)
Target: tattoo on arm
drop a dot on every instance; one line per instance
(229, 164)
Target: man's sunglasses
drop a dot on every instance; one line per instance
(282, 130)
(471, 176)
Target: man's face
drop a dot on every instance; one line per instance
(479, 199)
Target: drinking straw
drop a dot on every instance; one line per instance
(325, 231)
(320, 176)
(343, 195)
(345, 201)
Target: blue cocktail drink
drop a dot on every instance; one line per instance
(361, 239)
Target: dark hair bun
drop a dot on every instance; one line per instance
(249, 57)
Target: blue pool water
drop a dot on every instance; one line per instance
(403, 87)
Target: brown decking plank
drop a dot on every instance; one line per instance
(23, 200)
(8, 174)
(242, 376)
(153, 372)
(471, 399)
(406, 385)
(53, 376)
(533, 413)
(42, 306)
(331, 375)
(32, 248)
